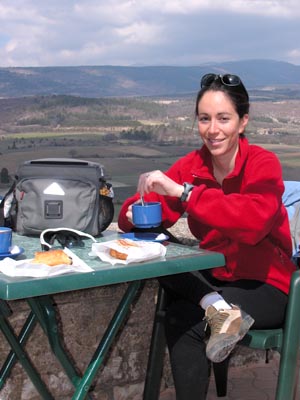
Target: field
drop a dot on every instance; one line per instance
(123, 163)
(166, 130)
(123, 171)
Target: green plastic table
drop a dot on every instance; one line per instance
(37, 292)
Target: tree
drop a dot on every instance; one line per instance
(4, 175)
(73, 153)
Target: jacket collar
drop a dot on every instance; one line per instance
(203, 168)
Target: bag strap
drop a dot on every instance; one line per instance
(2, 204)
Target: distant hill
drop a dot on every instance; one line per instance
(118, 81)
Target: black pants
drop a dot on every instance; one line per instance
(185, 327)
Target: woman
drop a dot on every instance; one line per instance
(231, 192)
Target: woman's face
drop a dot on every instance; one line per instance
(219, 124)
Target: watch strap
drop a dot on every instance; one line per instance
(187, 188)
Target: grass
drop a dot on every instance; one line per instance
(123, 171)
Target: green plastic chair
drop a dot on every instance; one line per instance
(286, 341)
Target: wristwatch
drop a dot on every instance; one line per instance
(187, 188)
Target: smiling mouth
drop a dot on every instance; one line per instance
(215, 141)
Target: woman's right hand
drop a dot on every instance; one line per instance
(158, 182)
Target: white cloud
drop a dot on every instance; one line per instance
(271, 8)
(259, 7)
(127, 32)
(140, 33)
(294, 56)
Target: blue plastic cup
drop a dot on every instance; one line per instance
(5, 239)
(148, 215)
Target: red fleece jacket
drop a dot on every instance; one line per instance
(244, 218)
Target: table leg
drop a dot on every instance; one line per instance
(107, 339)
(157, 350)
(44, 311)
(23, 359)
(12, 358)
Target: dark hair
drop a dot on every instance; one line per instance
(237, 94)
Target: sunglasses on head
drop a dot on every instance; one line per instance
(227, 80)
(65, 237)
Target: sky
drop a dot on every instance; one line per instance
(39, 33)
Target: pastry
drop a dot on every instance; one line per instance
(122, 245)
(117, 254)
(51, 258)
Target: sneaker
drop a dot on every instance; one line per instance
(227, 327)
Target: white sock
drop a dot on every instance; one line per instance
(216, 300)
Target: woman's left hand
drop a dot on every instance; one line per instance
(158, 182)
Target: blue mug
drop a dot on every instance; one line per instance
(5, 239)
(148, 215)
